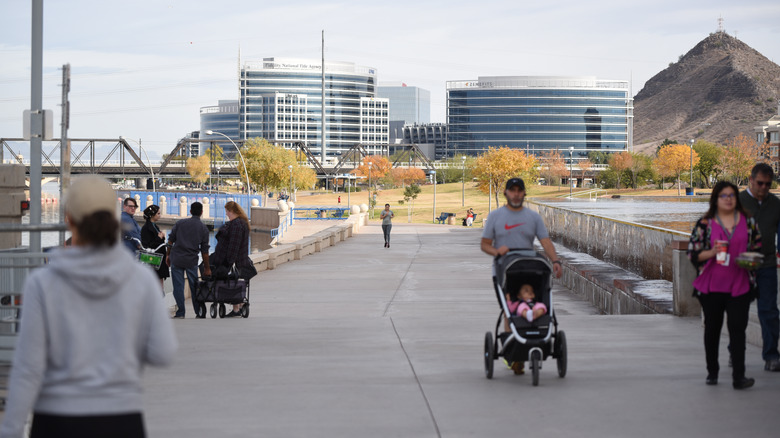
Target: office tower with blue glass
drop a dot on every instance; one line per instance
(538, 114)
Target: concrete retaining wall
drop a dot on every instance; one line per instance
(643, 250)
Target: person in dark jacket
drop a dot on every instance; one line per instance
(765, 208)
(232, 245)
(152, 237)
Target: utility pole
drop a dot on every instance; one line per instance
(36, 120)
(64, 146)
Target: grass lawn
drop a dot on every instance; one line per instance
(449, 199)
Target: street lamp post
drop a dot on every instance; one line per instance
(571, 164)
(691, 184)
(289, 196)
(463, 181)
(246, 174)
(370, 207)
(151, 170)
(218, 180)
(433, 173)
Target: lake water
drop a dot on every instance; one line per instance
(679, 214)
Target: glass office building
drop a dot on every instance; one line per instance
(281, 101)
(410, 104)
(223, 118)
(538, 114)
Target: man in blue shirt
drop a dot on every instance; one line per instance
(130, 228)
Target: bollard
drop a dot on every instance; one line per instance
(183, 206)
(206, 209)
(149, 200)
(163, 206)
(684, 274)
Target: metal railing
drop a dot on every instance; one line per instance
(15, 265)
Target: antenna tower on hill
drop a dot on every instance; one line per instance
(720, 25)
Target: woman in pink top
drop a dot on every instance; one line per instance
(722, 286)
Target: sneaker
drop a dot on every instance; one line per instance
(178, 316)
(200, 316)
(743, 383)
(518, 368)
(712, 380)
(772, 365)
(232, 314)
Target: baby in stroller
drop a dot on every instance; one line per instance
(523, 286)
(527, 306)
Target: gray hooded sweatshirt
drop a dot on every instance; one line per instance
(90, 321)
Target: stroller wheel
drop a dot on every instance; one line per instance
(536, 364)
(560, 353)
(245, 310)
(202, 310)
(490, 350)
(221, 310)
(213, 310)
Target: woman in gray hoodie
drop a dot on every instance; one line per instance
(91, 319)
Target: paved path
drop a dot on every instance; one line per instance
(362, 341)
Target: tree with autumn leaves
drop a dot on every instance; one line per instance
(495, 166)
(268, 167)
(198, 168)
(739, 157)
(674, 159)
(373, 168)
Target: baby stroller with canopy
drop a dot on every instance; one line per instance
(528, 341)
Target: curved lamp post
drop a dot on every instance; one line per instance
(691, 183)
(571, 164)
(246, 174)
(147, 159)
(463, 181)
(433, 173)
(289, 196)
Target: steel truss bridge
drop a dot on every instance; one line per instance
(89, 156)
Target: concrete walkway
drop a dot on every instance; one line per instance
(361, 341)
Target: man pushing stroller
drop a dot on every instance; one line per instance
(513, 227)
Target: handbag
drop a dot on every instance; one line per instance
(247, 271)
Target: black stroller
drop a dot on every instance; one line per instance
(525, 341)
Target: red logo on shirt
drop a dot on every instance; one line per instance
(509, 227)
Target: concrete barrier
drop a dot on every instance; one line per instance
(304, 247)
(280, 254)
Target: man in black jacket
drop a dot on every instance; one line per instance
(765, 208)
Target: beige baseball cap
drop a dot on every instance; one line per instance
(89, 194)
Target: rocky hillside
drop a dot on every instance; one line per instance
(719, 89)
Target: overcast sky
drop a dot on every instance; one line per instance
(142, 69)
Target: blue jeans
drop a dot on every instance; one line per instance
(177, 278)
(768, 314)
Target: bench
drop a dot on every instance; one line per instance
(443, 217)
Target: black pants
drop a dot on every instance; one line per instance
(386, 229)
(715, 305)
(88, 426)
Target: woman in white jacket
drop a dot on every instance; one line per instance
(91, 319)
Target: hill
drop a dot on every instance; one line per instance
(719, 89)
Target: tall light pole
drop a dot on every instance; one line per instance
(691, 184)
(433, 174)
(571, 164)
(151, 170)
(246, 174)
(463, 181)
(370, 207)
(289, 196)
